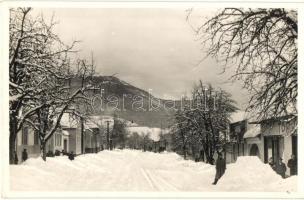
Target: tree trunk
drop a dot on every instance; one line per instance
(207, 150)
(184, 152)
(12, 139)
(43, 151)
(12, 148)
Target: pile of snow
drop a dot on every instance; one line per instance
(249, 172)
(131, 170)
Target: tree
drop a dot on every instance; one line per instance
(40, 75)
(133, 140)
(30, 56)
(146, 141)
(53, 104)
(199, 124)
(119, 132)
(180, 130)
(261, 45)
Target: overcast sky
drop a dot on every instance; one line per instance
(149, 48)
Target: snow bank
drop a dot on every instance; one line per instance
(249, 172)
(131, 170)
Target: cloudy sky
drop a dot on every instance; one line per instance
(149, 48)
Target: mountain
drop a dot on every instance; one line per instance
(114, 96)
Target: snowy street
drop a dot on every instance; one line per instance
(130, 170)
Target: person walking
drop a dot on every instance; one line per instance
(71, 155)
(281, 168)
(220, 168)
(271, 163)
(24, 155)
(293, 165)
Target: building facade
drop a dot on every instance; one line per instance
(280, 138)
(28, 139)
(236, 144)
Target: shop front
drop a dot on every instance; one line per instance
(280, 139)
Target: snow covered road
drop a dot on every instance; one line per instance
(130, 170)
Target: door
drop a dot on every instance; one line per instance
(276, 149)
(265, 150)
(65, 145)
(294, 145)
(273, 147)
(254, 151)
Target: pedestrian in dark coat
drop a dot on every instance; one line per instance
(220, 168)
(71, 155)
(281, 168)
(15, 158)
(271, 163)
(24, 155)
(293, 165)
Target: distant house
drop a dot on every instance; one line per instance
(99, 130)
(244, 138)
(79, 136)
(72, 127)
(254, 142)
(59, 141)
(236, 144)
(270, 138)
(93, 142)
(158, 139)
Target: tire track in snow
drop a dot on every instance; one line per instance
(149, 179)
(159, 180)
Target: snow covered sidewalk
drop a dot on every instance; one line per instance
(129, 170)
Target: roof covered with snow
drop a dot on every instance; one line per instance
(66, 133)
(68, 121)
(91, 124)
(242, 115)
(253, 131)
(237, 116)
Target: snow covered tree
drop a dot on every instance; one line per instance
(199, 124)
(53, 103)
(133, 140)
(40, 72)
(30, 56)
(181, 129)
(261, 46)
(119, 132)
(146, 141)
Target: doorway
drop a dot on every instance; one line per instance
(294, 146)
(65, 145)
(273, 148)
(254, 150)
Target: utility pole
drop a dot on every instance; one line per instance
(96, 147)
(82, 135)
(108, 134)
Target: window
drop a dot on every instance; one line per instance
(36, 138)
(25, 136)
(58, 139)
